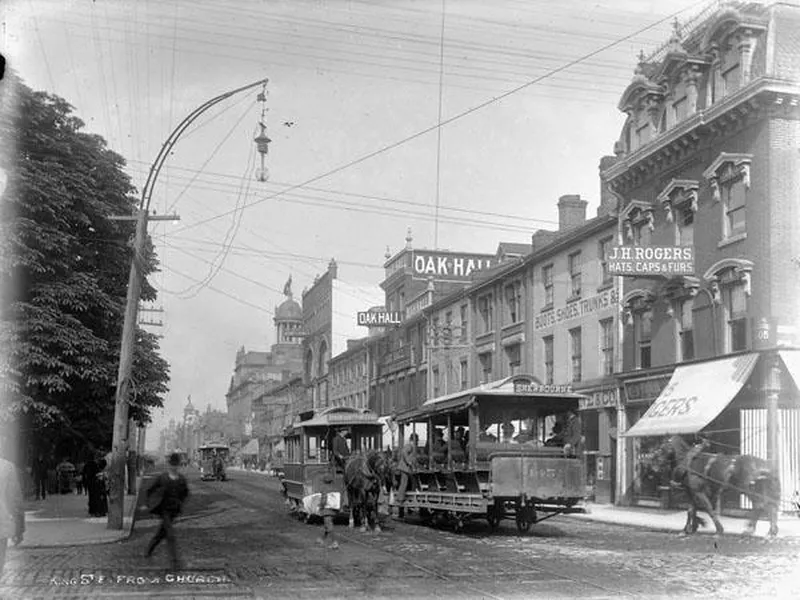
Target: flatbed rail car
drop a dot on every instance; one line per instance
(207, 453)
(307, 456)
(477, 474)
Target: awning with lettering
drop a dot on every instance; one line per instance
(694, 396)
(792, 361)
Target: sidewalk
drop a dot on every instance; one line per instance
(63, 520)
(674, 520)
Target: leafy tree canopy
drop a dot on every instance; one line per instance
(64, 275)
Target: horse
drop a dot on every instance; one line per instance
(364, 476)
(704, 476)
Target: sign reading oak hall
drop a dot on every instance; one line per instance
(379, 318)
(634, 261)
(450, 266)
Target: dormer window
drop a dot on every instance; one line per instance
(680, 109)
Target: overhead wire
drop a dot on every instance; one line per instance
(439, 132)
(456, 117)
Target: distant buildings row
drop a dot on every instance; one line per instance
(707, 160)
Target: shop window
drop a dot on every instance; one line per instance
(686, 330)
(643, 321)
(513, 353)
(607, 346)
(464, 374)
(547, 279)
(575, 353)
(575, 274)
(514, 302)
(485, 309)
(548, 359)
(604, 248)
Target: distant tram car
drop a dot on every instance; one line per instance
(497, 461)
(308, 465)
(213, 458)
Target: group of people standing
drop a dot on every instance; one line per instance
(90, 478)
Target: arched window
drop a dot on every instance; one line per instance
(730, 281)
(729, 176)
(639, 315)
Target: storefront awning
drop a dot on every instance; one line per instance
(694, 396)
(792, 361)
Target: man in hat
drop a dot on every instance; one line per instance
(167, 495)
(406, 464)
(573, 436)
(339, 450)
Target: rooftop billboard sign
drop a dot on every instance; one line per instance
(635, 261)
(448, 266)
(382, 318)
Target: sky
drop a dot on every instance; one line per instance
(462, 120)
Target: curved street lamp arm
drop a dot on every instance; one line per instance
(170, 142)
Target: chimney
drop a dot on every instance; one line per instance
(333, 269)
(608, 201)
(571, 212)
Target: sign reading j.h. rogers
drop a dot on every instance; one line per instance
(634, 261)
(576, 309)
(448, 265)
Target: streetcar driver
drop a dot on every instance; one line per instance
(340, 452)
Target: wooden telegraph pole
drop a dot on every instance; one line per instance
(116, 495)
(122, 429)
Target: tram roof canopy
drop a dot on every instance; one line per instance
(340, 416)
(514, 387)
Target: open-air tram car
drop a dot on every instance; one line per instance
(308, 459)
(495, 463)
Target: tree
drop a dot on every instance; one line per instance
(64, 273)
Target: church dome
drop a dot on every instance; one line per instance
(289, 310)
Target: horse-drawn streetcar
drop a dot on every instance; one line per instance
(483, 469)
(317, 448)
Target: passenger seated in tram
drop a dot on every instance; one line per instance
(556, 435)
(457, 452)
(573, 435)
(439, 450)
(484, 435)
(508, 432)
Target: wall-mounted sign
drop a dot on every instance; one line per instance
(534, 387)
(379, 318)
(448, 266)
(599, 399)
(645, 390)
(634, 261)
(577, 309)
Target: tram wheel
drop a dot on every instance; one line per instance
(458, 524)
(494, 516)
(426, 516)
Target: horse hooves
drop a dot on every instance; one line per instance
(377, 530)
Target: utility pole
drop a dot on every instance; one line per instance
(122, 428)
(116, 496)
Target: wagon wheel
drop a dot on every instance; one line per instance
(426, 516)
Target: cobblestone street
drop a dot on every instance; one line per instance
(238, 541)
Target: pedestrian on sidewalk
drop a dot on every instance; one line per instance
(12, 509)
(166, 497)
(90, 483)
(40, 477)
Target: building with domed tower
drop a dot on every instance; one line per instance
(255, 372)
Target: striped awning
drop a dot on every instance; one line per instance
(695, 395)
